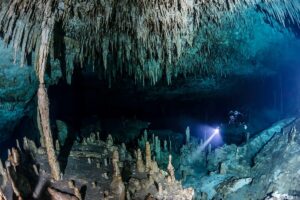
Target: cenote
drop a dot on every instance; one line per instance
(146, 100)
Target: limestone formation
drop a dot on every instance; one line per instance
(105, 162)
(29, 145)
(93, 138)
(154, 167)
(209, 148)
(157, 148)
(62, 131)
(98, 135)
(171, 170)
(148, 157)
(153, 53)
(15, 157)
(115, 156)
(123, 152)
(139, 162)
(109, 141)
(223, 168)
(229, 169)
(292, 134)
(187, 135)
(247, 137)
(117, 186)
(57, 145)
(165, 145)
(18, 145)
(47, 27)
(104, 175)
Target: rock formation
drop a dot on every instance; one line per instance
(139, 162)
(148, 157)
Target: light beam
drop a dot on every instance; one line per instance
(216, 132)
(204, 145)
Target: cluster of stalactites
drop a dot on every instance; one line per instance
(144, 39)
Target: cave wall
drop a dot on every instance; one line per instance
(18, 87)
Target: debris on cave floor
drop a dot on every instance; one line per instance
(95, 169)
(265, 167)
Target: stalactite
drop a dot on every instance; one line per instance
(138, 33)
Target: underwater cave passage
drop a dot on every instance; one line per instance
(135, 100)
(125, 110)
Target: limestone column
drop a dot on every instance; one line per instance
(42, 95)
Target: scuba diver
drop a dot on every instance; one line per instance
(237, 118)
(238, 126)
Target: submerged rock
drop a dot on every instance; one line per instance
(62, 131)
(18, 86)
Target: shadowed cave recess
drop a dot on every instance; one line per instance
(149, 99)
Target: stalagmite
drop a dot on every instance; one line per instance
(292, 135)
(15, 157)
(209, 148)
(123, 152)
(145, 138)
(117, 186)
(18, 145)
(148, 157)
(98, 135)
(93, 138)
(222, 168)
(139, 162)
(165, 145)
(171, 170)
(187, 135)
(12, 182)
(84, 142)
(157, 148)
(153, 140)
(115, 156)
(109, 141)
(57, 145)
(105, 162)
(247, 137)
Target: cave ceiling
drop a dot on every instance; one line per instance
(148, 42)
